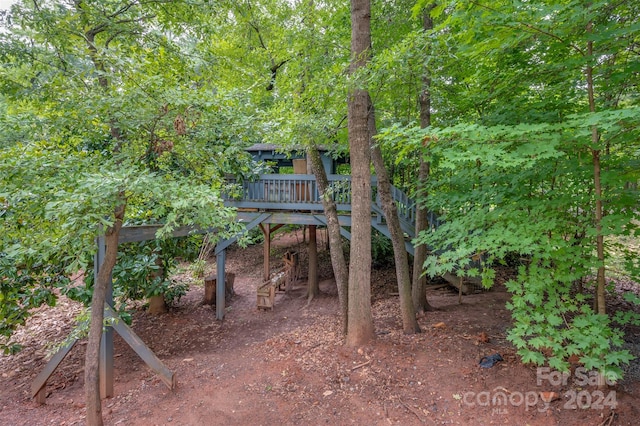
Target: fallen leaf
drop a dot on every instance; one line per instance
(574, 359)
(549, 396)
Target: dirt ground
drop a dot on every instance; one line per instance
(289, 365)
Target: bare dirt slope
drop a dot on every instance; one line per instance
(289, 366)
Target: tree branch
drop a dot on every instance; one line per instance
(274, 72)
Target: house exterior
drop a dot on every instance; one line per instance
(285, 157)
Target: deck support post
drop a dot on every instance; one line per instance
(266, 230)
(220, 287)
(106, 342)
(313, 261)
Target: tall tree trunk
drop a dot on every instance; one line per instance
(600, 299)
(419, 287)
(92, 356)
(360, 324)
(409, 323)
(338, 262)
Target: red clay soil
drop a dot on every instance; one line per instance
(289, 365)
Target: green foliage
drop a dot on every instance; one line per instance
(144, 270)
(552, 323)
(151, 105)
(521, 190)
(103, 106)
(381, 250)
(197, 268)
(20, 292)
(253, 237)
(512, 171)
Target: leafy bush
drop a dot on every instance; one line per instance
(523, 195)
(143, 270)
(552, 323)
(381, 250)
(23, 287)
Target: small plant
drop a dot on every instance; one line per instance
(254, 236)
(381, 249)
(174, 292)
(197, 268)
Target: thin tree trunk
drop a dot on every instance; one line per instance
(360, 323)
(419, 287)
(92, 356)
(600, 299)
(338, 262)
(409, 323)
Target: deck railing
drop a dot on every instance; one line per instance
(300, 192)
(289, 192)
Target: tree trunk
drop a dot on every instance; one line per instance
(92, 356)
(600, 299)
(419, 287)
(360, 324)
(338, 262)
(157, 305)
(409, 323)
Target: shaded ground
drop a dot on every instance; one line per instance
(289, 365)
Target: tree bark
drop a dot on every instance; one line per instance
(360, 324)
(338, 262)
(419, 287)
(409, 322)
(92, 356)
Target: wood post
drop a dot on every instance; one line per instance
(210, 288)
(138, 346)
(220, 263)
(106, 344)
(39, 385)
(157, 305)
(266, 231)
(313, 261)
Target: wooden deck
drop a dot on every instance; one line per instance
(294, 199)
